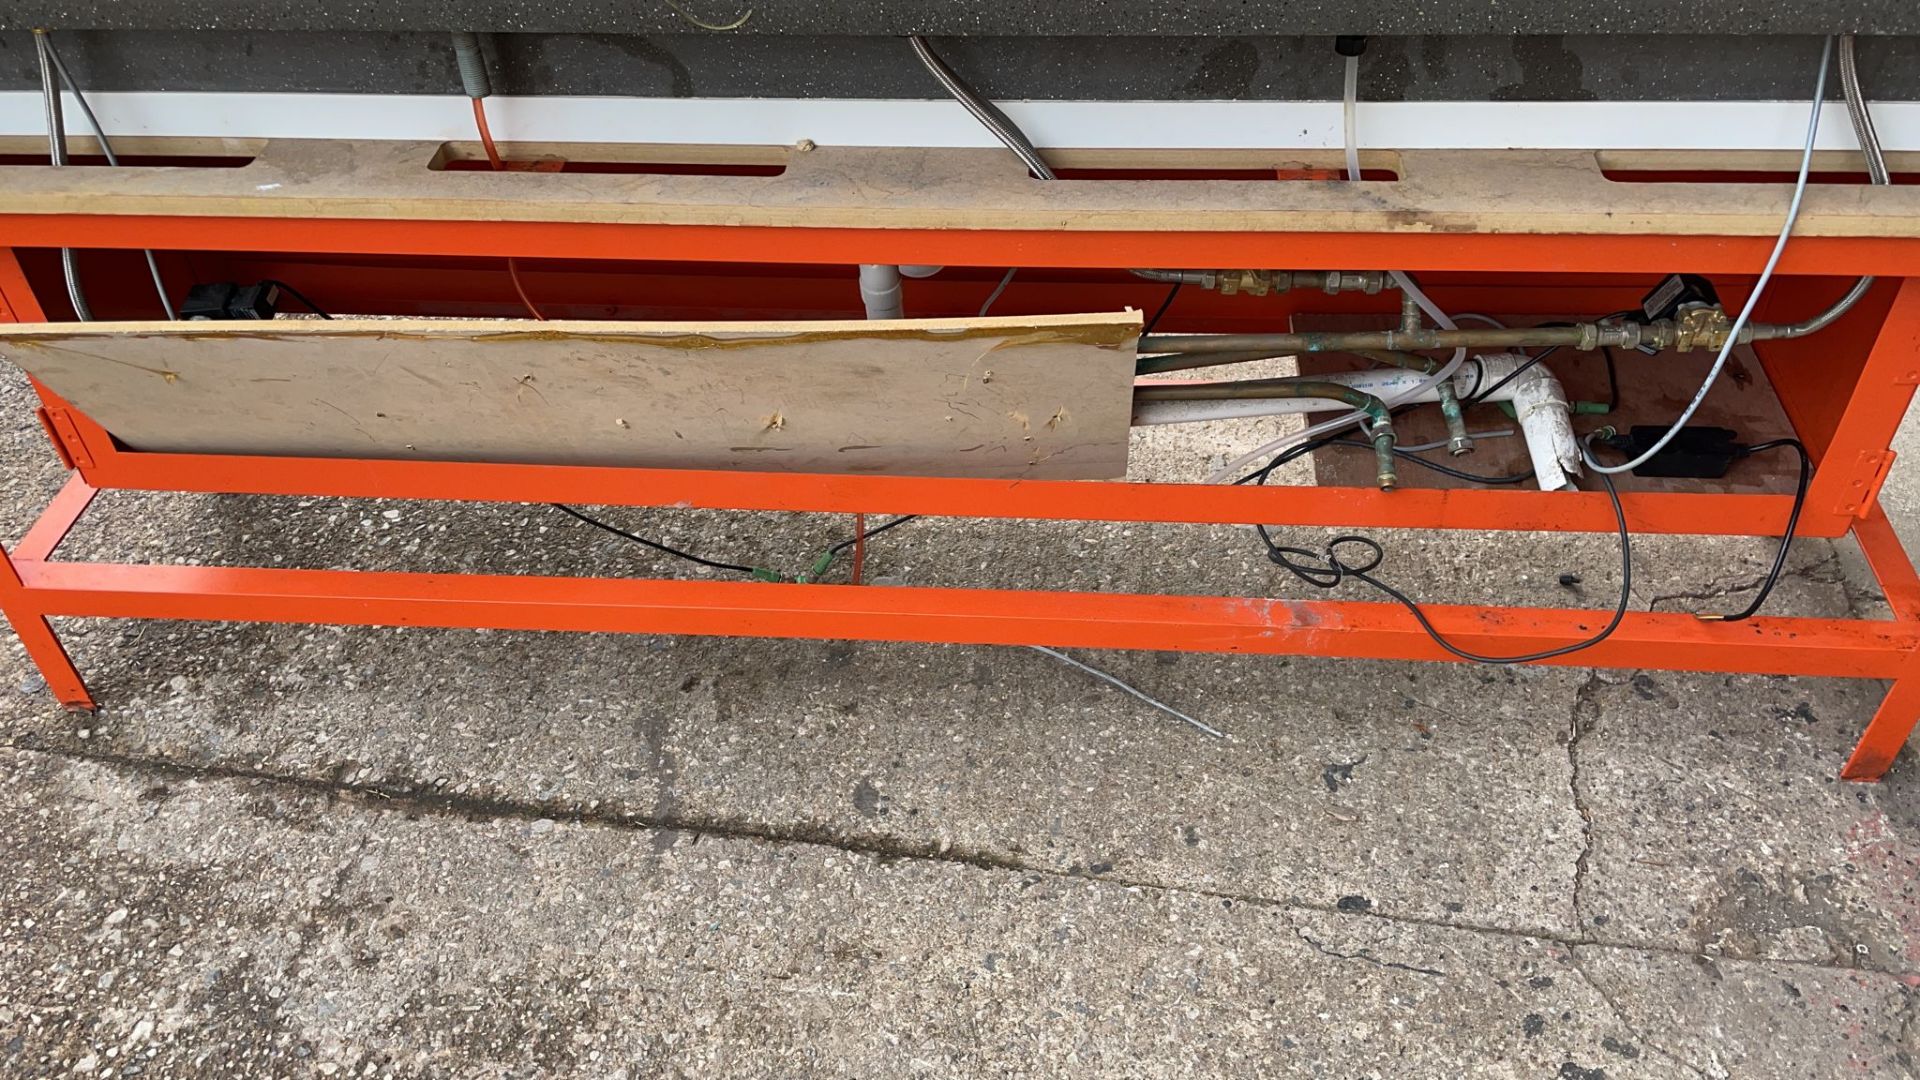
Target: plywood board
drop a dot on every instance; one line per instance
(1653, 390)
(1033, 397)
(1450, 191)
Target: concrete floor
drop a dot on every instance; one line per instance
(296, 851)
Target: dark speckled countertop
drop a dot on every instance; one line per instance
(994, 17)
(1130, 68)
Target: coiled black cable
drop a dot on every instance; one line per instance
(1326, 569)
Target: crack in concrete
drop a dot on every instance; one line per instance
(1858, 585)
(1719, 591)
(414, 801)
(1364, 955)
(1585, 712)
(1619, 1014)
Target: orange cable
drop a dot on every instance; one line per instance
(493, 158)
(486, 135)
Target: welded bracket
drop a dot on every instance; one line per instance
(65, 436)
(1864, 493)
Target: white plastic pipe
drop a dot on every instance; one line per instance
(1546, 421)
(880, 287)
(880, 290)
(1382, 383)
(1537, 397)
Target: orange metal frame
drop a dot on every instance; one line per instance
(1845, 392)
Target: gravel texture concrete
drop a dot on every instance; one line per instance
(303, 851)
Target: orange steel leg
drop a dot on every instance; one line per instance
(1893, 722)
(35, 632)
(1887, 732)
(42, 644)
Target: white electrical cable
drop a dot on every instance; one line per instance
(1753, 298)
(1348, 119)
(1005, 280)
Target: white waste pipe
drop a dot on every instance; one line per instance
(880, 290)
(880, 287)
(1537, 397)
(1545, 420)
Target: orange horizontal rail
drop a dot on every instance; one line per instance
(972, 616)
(1052, 500)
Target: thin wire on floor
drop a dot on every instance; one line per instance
(1124, 687)
(857, 543)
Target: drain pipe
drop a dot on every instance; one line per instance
(880, 287)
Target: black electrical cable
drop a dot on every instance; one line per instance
(842, 546)
(1786, 540)
(644, 542)
(1479, 379)
(1483, 395)
(1164, 305)
(297, 295)
(1326, 570)
(1300, 450)
(1613, 379)
(1331, 571)
(1435, 466)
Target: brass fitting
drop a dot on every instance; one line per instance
(1701, 328)
(1384, 472)
(1251, 282)
(1693, 328)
